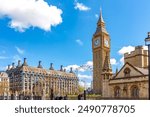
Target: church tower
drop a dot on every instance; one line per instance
(101, 49)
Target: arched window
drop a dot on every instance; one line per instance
(117, 91)
(134, 92)
(127, 72)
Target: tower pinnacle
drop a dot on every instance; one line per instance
(107, 65)
(101, 25)
(101, 20)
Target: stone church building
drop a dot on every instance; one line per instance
(130, 82)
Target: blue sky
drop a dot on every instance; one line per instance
(62, 34)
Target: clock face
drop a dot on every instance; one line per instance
(106, 43)
(96, 42)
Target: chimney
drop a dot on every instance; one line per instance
(64, 70)
(148, 34)
(13, 65)
(71, 70)
(19, 63)
(61, 68)
(51, 67)
(8, 67)
(25, 62)
(40, 66)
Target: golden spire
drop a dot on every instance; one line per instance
(101, 25)
(101, 20)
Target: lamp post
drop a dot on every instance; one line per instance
(147, 43)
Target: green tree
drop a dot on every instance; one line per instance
(81, 89)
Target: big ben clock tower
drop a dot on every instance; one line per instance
(101, 49)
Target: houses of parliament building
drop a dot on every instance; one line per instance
(131, 81)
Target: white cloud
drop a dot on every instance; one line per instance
(88, 66)
(3, 68)
(20, 51)
(85, 85)
(88, 85)
(145, 47)
(123, 50)
(113, 61)
(30, 13)
(127, 49)
(81, 76)
(74, 67)
(82, 68)
(3, 57)
(81, 7)
(81, 83)
(90, 63)
(96, 15)
(79, 42)
(122, 60)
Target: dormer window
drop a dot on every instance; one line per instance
(127, 72)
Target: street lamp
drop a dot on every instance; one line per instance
(147, 43)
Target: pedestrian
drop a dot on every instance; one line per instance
(79, 97)
(65, 97)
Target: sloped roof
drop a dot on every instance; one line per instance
(101, 29)
(107, 65)
(33, 69)
(141, 71)
(144, 71)
(50, 72)
(101, 25)
(3, 74)
(61, 73)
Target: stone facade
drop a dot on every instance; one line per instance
(131, 82)
(4, 84)
(101, 49)
(36, 81)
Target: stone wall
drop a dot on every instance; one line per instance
(126, 87)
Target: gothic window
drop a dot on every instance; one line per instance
(134, 92)
(127, 72)
(117, 91)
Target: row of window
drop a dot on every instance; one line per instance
(53, 75)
